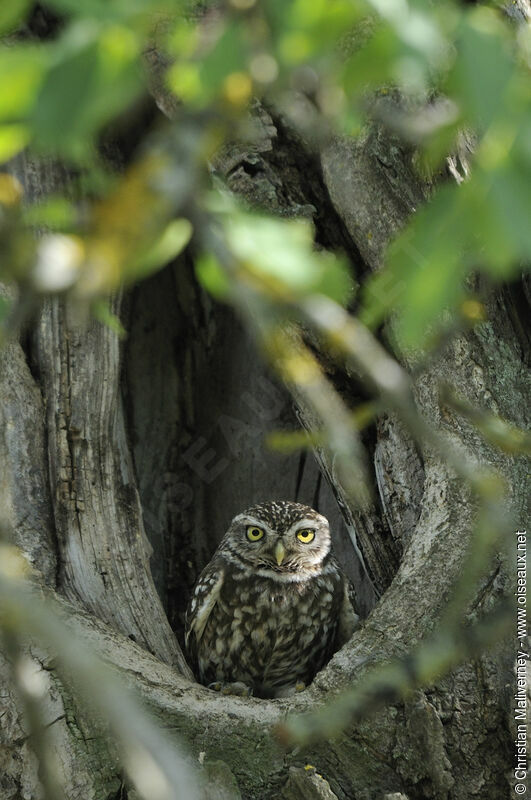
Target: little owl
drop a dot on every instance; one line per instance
(272, 605)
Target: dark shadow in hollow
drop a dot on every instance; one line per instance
(200, 402)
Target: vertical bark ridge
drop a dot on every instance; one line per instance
(103, 551)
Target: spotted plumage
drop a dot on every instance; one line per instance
(272, 605)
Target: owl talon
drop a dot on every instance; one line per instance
(237, 688)
(290, 690)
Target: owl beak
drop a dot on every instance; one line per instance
(280, 553)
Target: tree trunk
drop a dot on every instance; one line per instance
(123, 463)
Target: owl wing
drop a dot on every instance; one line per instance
(203, 600)
(348, 619)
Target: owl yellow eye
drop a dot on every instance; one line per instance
(306, 535)
(254, 533)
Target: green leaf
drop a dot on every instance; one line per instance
(227, 56)
(54, 213)
(95, 76)
(281, 253)
(12, 12)
(13, 139)
(405, 49)
(484, 68)
(306, 31)
(424, 268)
(511, 196)
(102, 312)
(200, 81)
(171, 242)
(212, 277)
(21, 68)
(496, 250)
(430, 291)
(373, 63)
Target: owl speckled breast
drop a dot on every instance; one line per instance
(256, 628)
(271, 606)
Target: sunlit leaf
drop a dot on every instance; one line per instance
(281, 253)
(22, 68)
(11, 190)
(305, 31)
(102, 312)
(405, 49)
(201, 80)
(182, 38)
(54, 213)
(211, 275)
(185, 81)
(166, 247)
(13, 139)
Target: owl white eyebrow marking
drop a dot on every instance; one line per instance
(307, 522)
(260, 523)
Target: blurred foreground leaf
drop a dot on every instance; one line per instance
(508, 438)
(151, 758)
(282, 254)
(291, 441)
(102, 312)
(22, 69)
(13, 139)
(11, 13)
(279, 257)
(161, 251)
(94, 74)
(212, 276)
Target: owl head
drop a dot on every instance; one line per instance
(278, 538)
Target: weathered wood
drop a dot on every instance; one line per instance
(25, 508)
(101, 548)
(104, 553)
